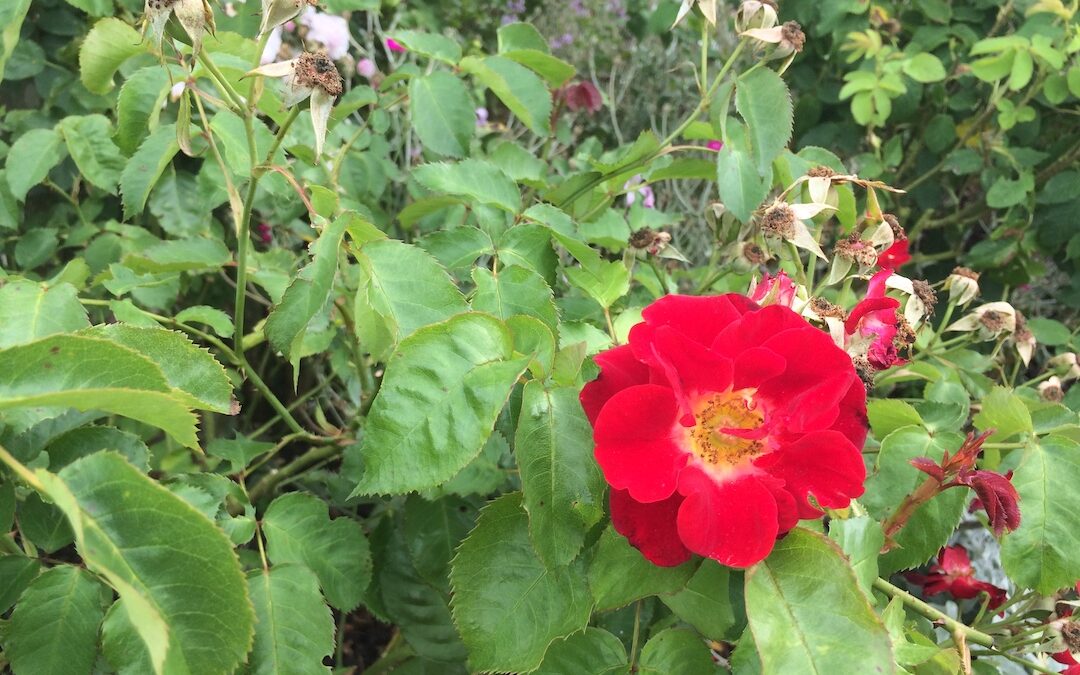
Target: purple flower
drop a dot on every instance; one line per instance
(714, 145)
(481, 116)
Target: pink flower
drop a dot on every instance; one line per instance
(366, 68)
(394, 46)
(871, 326)
(329, 30)
(895, 256)
(714, 145)
(582, 96)
(778, 290)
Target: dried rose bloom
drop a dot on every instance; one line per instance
(1052, 390)
(788, 37)
(784, 220)
(963, 285)
(310, 74)
(755, 14)
(989, 320)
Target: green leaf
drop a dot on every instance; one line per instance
(109, 43)
(83, 441)
(298, 529)
(29, 311)
(457, 248)
(427, 423)
(179, 580)
(89, 140)
(742, 189)
(887, 415)
(418, 606)
(894, 478)
(1048, 331)
(432, 45)
(1005, 413)
(442, 113)
(179, 255)
(400, 290)
(762, 98)
(190, 369)
(712, 601)
(520, 35)
(220, 322)
(54, 628)
(44, 524)
(145, 167)
(615, 561)
(308, 293)
(861, 539)
(433, 530)
(507, 605)
(12, 15)
(31, 158)
(556, 71)
(16, 573)
(516, 290)
(807, 613)
(924, 68)
(594, 651)
(1041, 553)
(139, 104)
(562, 484)
(294, 628)
(90, 373)
(676, 651)
(516, 86)
(472, 179)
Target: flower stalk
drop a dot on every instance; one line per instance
(934, 614)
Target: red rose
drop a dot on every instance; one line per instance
(717, 421)
(895, 256)
(954, 575)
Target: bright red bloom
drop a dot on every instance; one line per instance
(872, 325)
(894, 257)
(716, 423)
(953, 574)
(1066, 658)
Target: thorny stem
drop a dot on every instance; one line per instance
(298, 465)
(924, 493)
(934, 614)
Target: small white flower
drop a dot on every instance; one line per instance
(309, 74)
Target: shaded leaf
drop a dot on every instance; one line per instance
(294, 628)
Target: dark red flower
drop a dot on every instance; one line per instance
(582, 96)
(871, 326)
(716, 423)
(895, 256)
(954, 575)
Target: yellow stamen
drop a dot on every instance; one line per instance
(726, 410)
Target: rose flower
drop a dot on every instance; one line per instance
(722, 424)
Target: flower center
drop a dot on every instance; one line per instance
(726, 432)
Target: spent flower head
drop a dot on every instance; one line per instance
(310, 74)
(277, 12)
(195, 16)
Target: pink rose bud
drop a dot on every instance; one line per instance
(394, 46)
(714, 145)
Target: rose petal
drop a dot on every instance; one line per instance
(700, 318)
(618, 370)
(822, 463)
(650, 528)
(638, 442)
(755, 328)
(688, 366)
(733, 522)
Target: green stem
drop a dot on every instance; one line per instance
(236, 101)
(1015, 659)
(637, 636)
(934, 614)
(944, 324)
(20, 469)
(297, 466)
